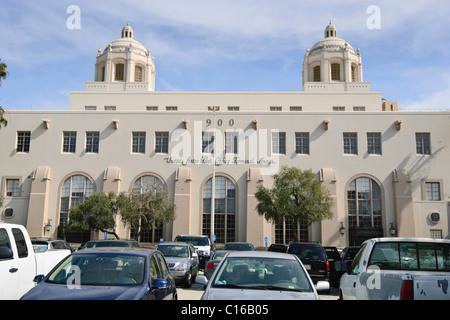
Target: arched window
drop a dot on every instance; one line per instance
(285, 232)
(335, 72)
(316, 74)
(224, 209)
(75, 190)
(119, 72)
(138, 74)
(364, 210)
(144, 184)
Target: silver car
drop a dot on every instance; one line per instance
(259, 275)
(182, 261)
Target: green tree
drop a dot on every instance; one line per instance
(295, 194)
(99, 211)
(3, 75)
(144, 211)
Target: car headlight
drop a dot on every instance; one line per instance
(181, 267)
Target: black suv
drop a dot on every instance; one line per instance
(314, 259)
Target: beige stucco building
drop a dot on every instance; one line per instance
(387, 170)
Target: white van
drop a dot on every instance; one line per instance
(398, 269)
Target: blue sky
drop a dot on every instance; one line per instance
(224, 45)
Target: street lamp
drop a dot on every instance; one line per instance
(342, 229)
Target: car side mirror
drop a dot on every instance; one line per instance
(159, 283)
(39, 278)
(5, 253)
(322, 286)
(202, 280)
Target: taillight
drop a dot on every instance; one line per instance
(407, 290)
(210, 265)
(328, 265)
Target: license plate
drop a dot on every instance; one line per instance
(307, 266)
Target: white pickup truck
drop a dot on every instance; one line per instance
(398, 269)
(19, 264)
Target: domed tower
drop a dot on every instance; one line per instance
(126, 64)
(332, 64)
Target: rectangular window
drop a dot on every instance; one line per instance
(207, 142)
(335, 71)
(171, 108)
(302, 142)
(279, 142)
(316, 72)
(92, 141)
(12, 187)
(23, 141)
(110, 108)
(138, 142)
(90, 108)
(338, 108)
(119, 74)
(374, 143)
(350, 143)
(152, 108)
(359, 108)
(233, 108)
(276, 108)
(231, 142)
(162, 142)
(295, 108)
(69, 141)
(138, 74)
(432, 191)
(423, 145)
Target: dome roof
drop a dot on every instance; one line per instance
(126, 42)
(332, 44)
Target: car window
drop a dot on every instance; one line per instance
(59, 245)
(100, 269)
(262, 273)
(180, 251)
(162, 265)
(155, 272)
(21, 245)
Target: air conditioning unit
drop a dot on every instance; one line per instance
(434, 217)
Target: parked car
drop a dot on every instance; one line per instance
(212, 264)
(313, 257)
(275, 247)
(110, 243)
(260, 275)
(334, 261)
(238, 246)
(107, 274)
(51, 244)
(182, 261)
(348, 253)
(19, 263)
(398, 269)
(201, 243)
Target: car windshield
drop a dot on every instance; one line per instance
(196, 241)
(174, 251)
(218, 255)
(307, 252)
(262, 274)
(100, 270)
(238, 246)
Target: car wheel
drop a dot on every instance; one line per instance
(187, 282)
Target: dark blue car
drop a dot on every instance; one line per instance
(107, 274)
